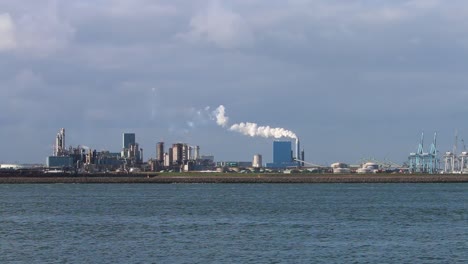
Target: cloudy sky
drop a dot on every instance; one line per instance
(352, 78)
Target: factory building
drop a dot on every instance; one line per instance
(168, 158)
(282, 152)
(282, 155)
(128, 140)
(160, 152)
(59, 147)
(130, 149)
(59, 162)
(61, 157)
(233, 164)
(177, 153)
(185, 153)
(180, 156)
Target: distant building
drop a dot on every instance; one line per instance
(168, 158)
(177, 153)
(59, 146)
(130, 149)
(160, 152)
(240, 164)
(196, 152)
(128, 140)
(282, 152)
(11, 166)
(282, 155)
(59, 162)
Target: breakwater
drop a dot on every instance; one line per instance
(232, 178)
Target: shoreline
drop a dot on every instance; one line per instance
(235, 178)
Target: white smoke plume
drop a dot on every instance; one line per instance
(221, 118)
(251, 129)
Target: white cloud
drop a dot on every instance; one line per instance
(42, 34)
(34, 31)
(385, 14)
(7, 32)
(221, 27)
(140, 7)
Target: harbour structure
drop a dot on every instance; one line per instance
(464, 162)
(454, 162)
(424, 162)
(451, 164)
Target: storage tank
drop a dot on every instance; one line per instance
(340, 167)
(257, 161)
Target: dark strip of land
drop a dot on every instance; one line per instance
(235, 178)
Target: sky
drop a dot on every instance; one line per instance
(352, 79)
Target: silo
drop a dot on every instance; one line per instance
(160, 152)
(297, 150)
(185, 153)
(257, 161)
(177, 153)
(196, 154)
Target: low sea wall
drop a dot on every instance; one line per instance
(234, 178)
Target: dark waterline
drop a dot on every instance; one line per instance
(240, 223)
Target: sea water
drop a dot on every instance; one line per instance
(234, 223)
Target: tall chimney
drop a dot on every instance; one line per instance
(297, 150)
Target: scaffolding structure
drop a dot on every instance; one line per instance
(424, 162)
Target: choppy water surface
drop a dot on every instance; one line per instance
(234, 223)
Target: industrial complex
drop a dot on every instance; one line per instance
(176, 157)
(184, 157)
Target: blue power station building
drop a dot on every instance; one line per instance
(282, 155)
(128, 140)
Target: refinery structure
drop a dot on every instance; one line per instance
(178, 157)
(175, 157)
(287, 157)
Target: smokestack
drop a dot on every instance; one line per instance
(302, 157)
(298, 151)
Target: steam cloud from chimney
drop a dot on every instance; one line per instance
(251, 129)
(221, 118)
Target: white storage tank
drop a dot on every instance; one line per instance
(340, 167)
(257, 161)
